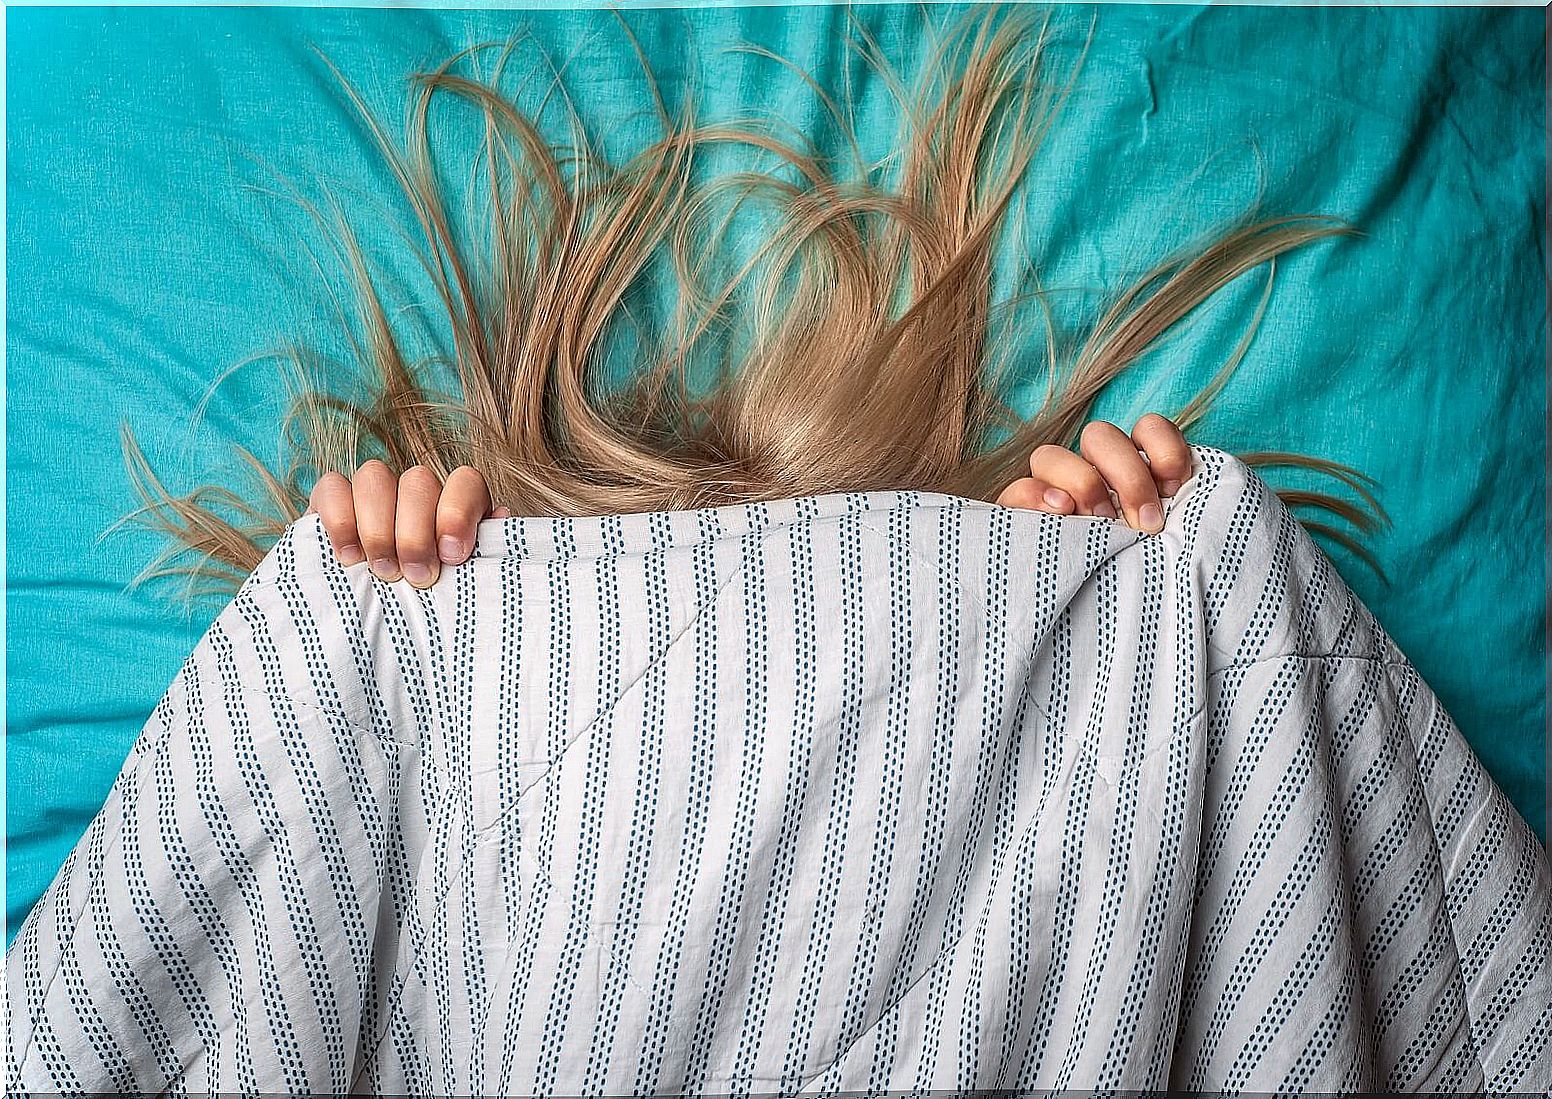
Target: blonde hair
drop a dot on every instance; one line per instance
(852, 351)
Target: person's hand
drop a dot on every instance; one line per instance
(1064, 483)
(409, 525)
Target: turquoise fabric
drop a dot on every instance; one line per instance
(144, 258)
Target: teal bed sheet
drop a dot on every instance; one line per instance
(145, 255)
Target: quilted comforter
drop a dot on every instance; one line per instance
(868, 790)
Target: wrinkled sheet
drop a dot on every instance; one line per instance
(853, 791)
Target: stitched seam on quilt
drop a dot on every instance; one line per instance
(605, 711)
(355, 725)
(369, 1053)
(916, 552)
(1293, 655)
(1444, 889)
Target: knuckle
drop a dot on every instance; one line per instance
(1095, 430)
(1172, 465)
(1164, 441)
(1095, 444)
(458, 515)
(376, 545)
(1133, 486)
(1047, 455)
(327, 494)
(1087, 486)
(465, 490)
(419, 483)
(419, 477)
(416, 547)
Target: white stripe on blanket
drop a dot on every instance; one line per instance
(869, 790)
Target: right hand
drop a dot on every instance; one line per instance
(406, 526)
(1110, 470)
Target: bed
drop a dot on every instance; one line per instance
(149, 251)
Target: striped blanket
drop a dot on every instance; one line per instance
(881, 790)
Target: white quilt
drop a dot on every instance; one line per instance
(859, 791)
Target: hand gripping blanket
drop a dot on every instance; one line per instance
(880, 790)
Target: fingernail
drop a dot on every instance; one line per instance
(1055, 498)
(452, 549)
(1169, 488)
(385, 568)
(1151, 516)
(417, 573)
(1106, 509)
(351, 554)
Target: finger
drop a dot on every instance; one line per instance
(465, 500)
(1036, 495)
(415, 526)
(331, 499)
(503, 512)
(1113, 454)
(1169, 455)
(376, 491)
(1060, 469)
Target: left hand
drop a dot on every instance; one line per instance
(1063, 483)
(407, 525)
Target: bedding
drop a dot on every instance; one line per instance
(147, 253)
(880, 790)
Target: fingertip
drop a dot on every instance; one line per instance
(465, 503)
